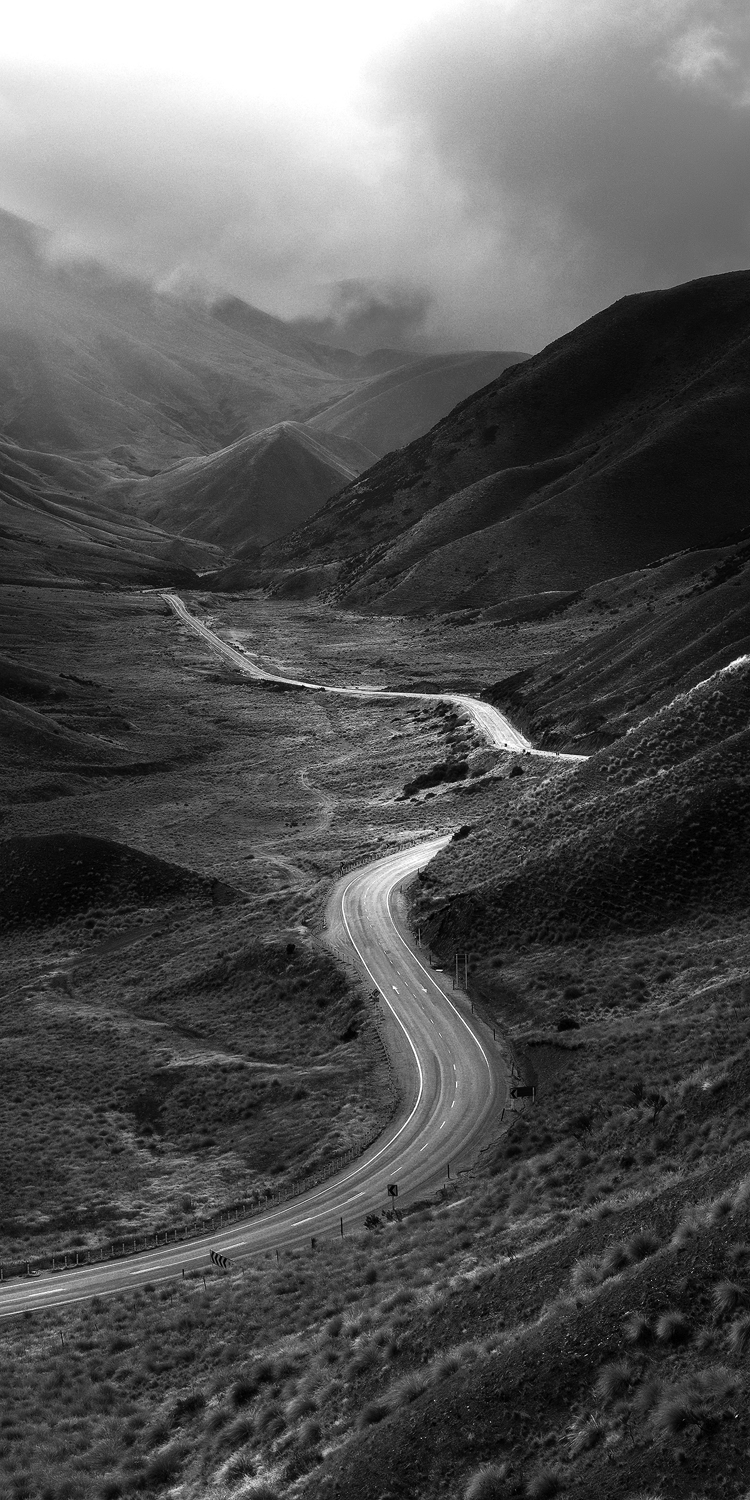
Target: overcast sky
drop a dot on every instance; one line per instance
(481, 173)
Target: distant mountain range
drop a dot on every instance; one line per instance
(126, 383)
(619, 444)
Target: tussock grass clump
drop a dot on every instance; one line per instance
(637, 1329)
(409, 1388)
(543, 1484)
(648, 1396)
(726, 1297)
(674, 1412)
(300, 1406)
(239, 1467)
(585, 1273)
(673, 1328)
(613, 1381)
(700, 1400)
(164, 1466)
(309, 1433)
(258, 1489)
(587, 1437)
(488, 1482)
(372, 1412)
(591, 1270)
(739, 1336)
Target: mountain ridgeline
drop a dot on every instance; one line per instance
(617, 445)
(218, 420)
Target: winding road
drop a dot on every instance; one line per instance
(452, 1075)
(500, 733)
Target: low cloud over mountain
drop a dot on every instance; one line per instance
(508, 169)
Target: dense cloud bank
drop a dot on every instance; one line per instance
(503, 172)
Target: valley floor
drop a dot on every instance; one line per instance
(574, 1317)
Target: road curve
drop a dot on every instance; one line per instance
(452, 1075)
(502, 735)
(453, 1089)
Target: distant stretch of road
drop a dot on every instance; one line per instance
(453, 1087)
(498, 730)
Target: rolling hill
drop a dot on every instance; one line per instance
(251, 492)
(619, 444)
(53, 528)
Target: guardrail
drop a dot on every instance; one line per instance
(137, 1244)
(128, 1245)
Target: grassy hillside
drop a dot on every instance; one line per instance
(54, 527)
(401, 404)
(94, 362)
(251, 492)
(618, 444)
(570, 1315)
(650, 831)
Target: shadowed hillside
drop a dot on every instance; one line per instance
(618, 444)
(403, 403)
(651, 831)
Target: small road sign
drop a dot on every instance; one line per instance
(392, 1189)
(222, 1261)
(523, 1091)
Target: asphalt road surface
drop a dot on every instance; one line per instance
(451, 1073)
(453, 1088)
(498, 730)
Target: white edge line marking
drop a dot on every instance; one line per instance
(441, 993)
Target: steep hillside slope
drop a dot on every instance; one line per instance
(403, 403)
(620, 443)
(650, 832)
(52, 528)
(90, 361)
(251, 492)
(653, 633)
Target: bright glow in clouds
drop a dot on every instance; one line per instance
(480, 173)
(288, 53)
